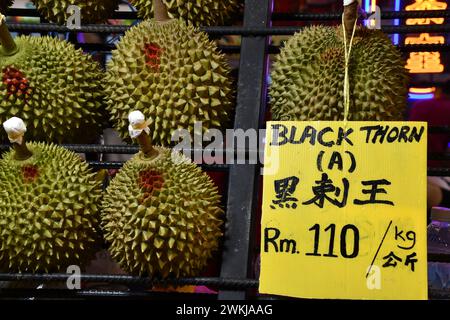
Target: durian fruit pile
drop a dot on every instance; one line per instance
(161, 214)
(55, 88)
(92, 11)
(198, 12)
(174, 74)
(48, 206)
(308, 77)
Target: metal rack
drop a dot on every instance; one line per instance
(236, 279)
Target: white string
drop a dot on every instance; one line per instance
(347, 60)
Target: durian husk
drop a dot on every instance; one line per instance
(92, 11)
(308, 77)
(197, 12)
(48, 220)
(64, 98)
(171, 232)
(190, 82)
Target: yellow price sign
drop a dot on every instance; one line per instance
(344, 210)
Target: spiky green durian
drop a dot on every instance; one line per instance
(308, 77)
(92, 11)
(48, 210)
(174, 74)
(5, 4)
(55, 88)
(162, 216)
(198, 12)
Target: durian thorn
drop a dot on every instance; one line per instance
(21, 151)
(9, 46)
(350, 16)
(161, 12)
(145, 142)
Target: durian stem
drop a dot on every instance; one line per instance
(161, 13)
(22, 152)
(145, 142)
(9, 46)
(350, 16)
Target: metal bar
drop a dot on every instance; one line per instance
(118, 149)
(214, 31)
(415, 14)
(24, 12)
(434, 257)
(119, 164)
(438, 129)
(438, 172)
(227, 283)
(435, 28)
(297, 16)
(439, 156)
(243, 179)
(336, 16)
(51, 27)
(92, 148)
(267, 31)
(61, 294)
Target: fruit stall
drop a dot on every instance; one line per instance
(69, 84)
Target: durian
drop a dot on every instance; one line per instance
(161, 214)
(56, 88)
(5, 4)
(308, 77)
(92, 11)
(174, 74)
(197, 12)
(49, 201)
